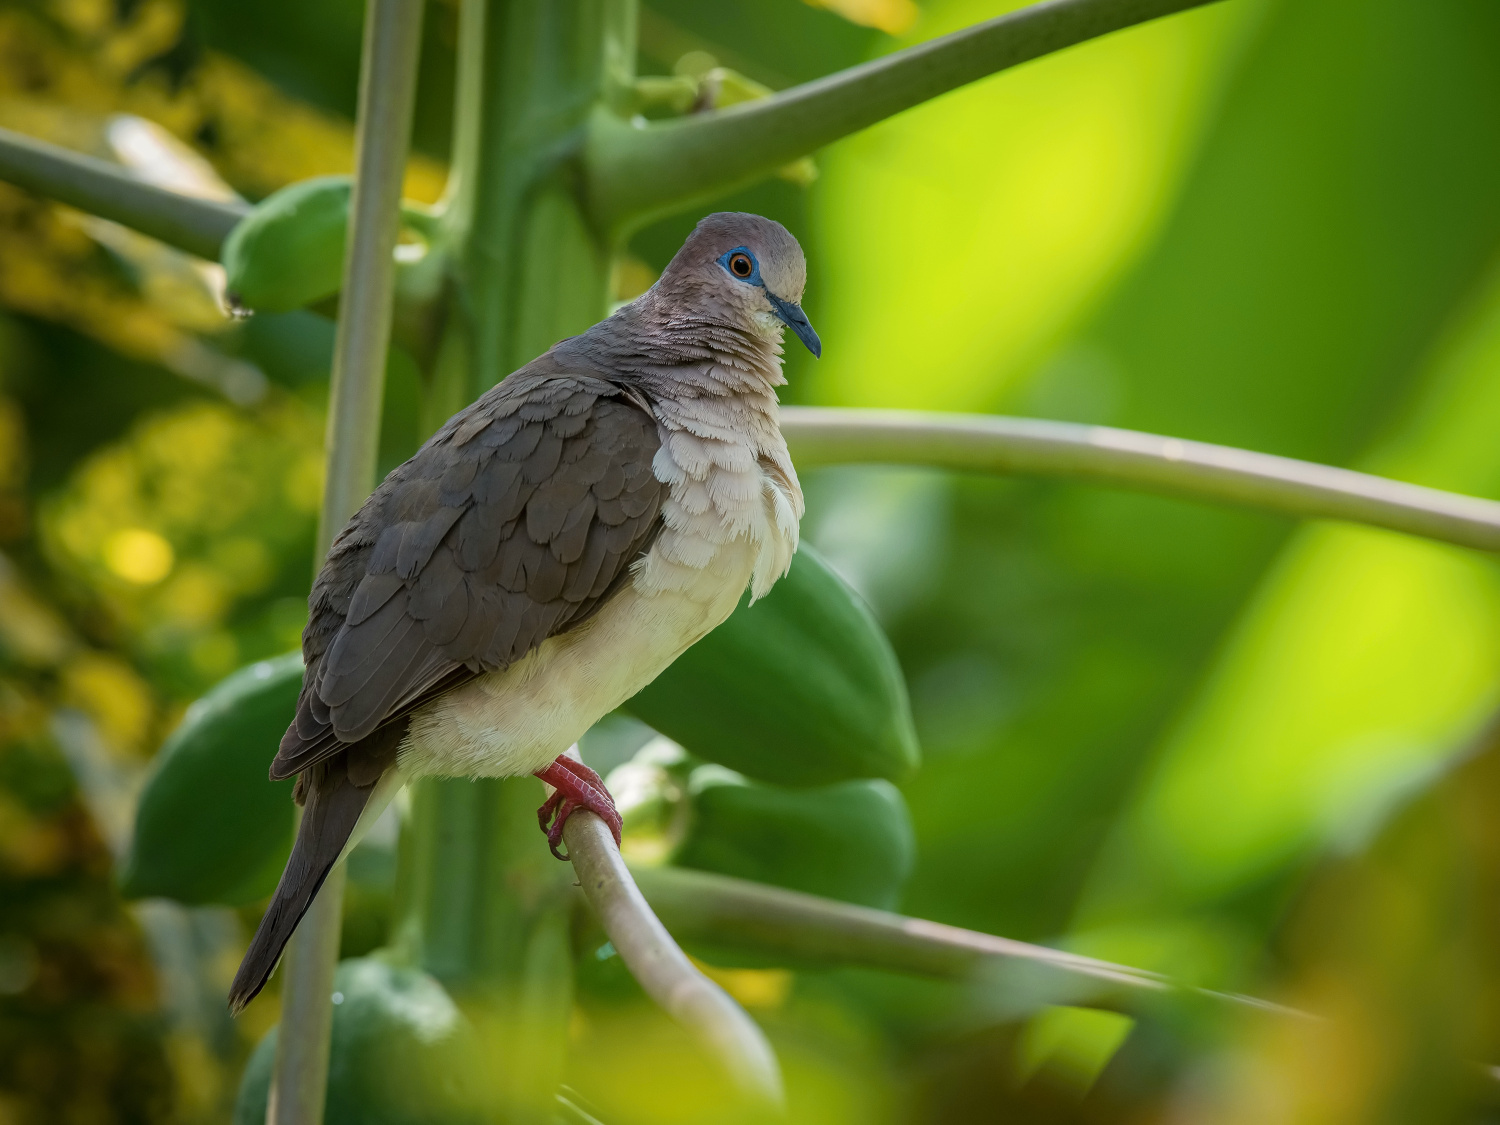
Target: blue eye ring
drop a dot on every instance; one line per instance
(741, 265)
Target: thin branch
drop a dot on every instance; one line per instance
(387, 92)
(198, 226)
(636, 171)
(717, 909)
(1129, 459)
(662, 969)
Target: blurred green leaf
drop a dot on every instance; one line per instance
(211, 827)
(1364, 661)
(850, 841)
(1000, 210)
(1395, 946)
(1273, 314)
(801, 688)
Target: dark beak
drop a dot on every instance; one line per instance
(797, 321)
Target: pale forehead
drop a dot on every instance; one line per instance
(779, 254)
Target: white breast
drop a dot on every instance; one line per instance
(729, 523)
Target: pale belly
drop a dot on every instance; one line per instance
(517, 721)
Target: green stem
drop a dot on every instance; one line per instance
(198, 226)
(1127, 458)
(742, 915)
(387, 92)
(388, 82)
(639, 171)
(300, 1079)
(531, 269)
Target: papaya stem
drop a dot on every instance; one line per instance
(637, 171)
(660, 965)
(110, 191)
(387, 92)
(1130, 459)
(741, 914)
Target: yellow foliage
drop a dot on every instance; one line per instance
(754, 988)
(66, 73)
(268, 140)
(187, 515)
(30, 846)
(30, 631)
(894, 17)
(139, 556)
(113, 694)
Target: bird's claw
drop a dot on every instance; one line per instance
(575, 787)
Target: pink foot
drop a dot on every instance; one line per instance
(577, 787)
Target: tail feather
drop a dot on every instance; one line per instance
(333, 807)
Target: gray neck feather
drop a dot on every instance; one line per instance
(675, 350)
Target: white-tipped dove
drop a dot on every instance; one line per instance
(546, 554)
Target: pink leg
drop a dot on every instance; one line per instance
(578, 787)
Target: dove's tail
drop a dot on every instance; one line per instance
(331, 824)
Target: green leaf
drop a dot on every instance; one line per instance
(211, 827)
(851, 841)
(801, 688)
(1071, 627)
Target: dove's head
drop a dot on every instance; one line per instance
(746, 269)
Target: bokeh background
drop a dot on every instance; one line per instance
(1256, 756)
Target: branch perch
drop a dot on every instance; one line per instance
(661, 967)
(638, 171)
(198, 226)
(718, 909)
(1128, 458)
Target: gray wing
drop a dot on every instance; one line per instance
(511, 525)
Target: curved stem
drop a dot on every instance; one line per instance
(387, 92)
(662, 969)
(995, 444)
(638, 171)
(718, 909)
(198, 226)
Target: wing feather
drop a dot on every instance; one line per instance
(511, 525)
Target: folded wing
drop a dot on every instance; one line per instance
(511, 525)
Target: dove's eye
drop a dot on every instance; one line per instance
(742, 265)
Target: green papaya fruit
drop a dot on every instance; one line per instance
(288, 253)
(400, 1053)
(210, 826)
(851, 841)
(801, 688)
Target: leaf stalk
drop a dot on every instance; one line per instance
(110, 191)
(744, 915)
(1130, 459)
(661, 967)
(637, 171)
